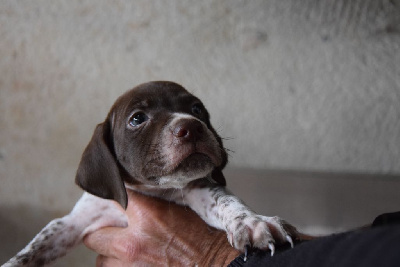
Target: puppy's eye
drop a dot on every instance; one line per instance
(197, 109)
(138, 118)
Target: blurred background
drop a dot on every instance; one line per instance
(305, 92)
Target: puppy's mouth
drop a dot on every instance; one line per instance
(194, 166)
(194, 161)
(193, 157)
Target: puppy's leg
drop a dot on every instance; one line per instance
(225, 211)
(60, 235)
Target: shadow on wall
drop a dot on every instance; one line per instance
(315, 202)
(19, 224)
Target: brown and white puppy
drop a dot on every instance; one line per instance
(157, 139)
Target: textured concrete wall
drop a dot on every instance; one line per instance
(303, 85)
(311, 85)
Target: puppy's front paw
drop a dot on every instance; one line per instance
(259, 231)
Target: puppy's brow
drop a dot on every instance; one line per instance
(136, 104)
(140, 103)
(185, 98)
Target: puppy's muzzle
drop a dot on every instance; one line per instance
(188, 130)
(191, 137)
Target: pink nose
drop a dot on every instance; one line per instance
(188, 130)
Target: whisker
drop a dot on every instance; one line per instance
(218, 128)
(164, 192)
(183, 199)
(229, 150)
(172, 194)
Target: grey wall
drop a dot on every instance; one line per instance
(304, 85)
(294, 85)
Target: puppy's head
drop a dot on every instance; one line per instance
(156, 134)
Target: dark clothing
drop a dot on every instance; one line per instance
(375, 246)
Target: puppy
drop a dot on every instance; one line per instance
(157, 139)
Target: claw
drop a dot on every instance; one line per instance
(290, 240)
(272, 248)
(230, 239)
(246, 250)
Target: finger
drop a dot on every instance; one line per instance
(101, 241)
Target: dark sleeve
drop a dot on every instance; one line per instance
(377, 246)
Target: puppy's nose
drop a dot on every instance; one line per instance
(188, 130)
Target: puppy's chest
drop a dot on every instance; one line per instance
(203, 198)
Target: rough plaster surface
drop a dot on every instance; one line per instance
(303, 85)
(310, 85)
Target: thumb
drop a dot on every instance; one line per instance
(101, 241)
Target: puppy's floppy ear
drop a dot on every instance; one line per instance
(218, 177)
(98, 172)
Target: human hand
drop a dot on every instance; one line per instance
(160, 233)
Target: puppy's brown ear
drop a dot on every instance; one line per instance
(98, 172)
(218, 176)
